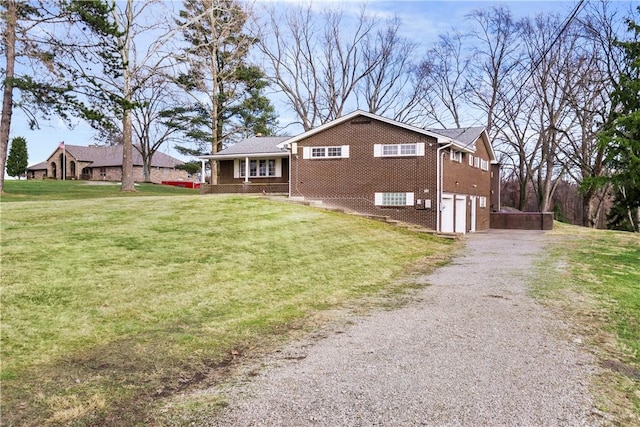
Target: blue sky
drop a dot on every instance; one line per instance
(422, 21)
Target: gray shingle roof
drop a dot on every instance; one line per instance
(39, 166)
(466, 136)
(111, 155)
(255, 145)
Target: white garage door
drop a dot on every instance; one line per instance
(446, 214)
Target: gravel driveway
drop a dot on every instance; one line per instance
(473, 349)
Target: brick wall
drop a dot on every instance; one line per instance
(462, 179)
(114, 173)
(522, 220)
(351, 183)
(249, 188)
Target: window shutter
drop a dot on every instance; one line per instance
(409, 199)
(236, 168)
(278, 168)
(306, 152)
(420, 149)
(377, 150)
(378, 199)
(345, 152)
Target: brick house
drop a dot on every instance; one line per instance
(253, 165)
(103, 163)
(444, 180)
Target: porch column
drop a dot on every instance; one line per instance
(246, 169)
(204, 171)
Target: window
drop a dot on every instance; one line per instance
(103, 172)
(331, 152)
(484, 165)
(393, 150)
(319, 152)
(456, 156)
(476, 162)
(483, 202)
(471, 159)
(394, 199)
(258, 168)
(389, 150)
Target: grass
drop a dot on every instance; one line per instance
(51, 189)
(112, 304)
(595, 280)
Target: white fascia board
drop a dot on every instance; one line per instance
(492, 154)
(356, 113)
(457, 145)
(242, 156)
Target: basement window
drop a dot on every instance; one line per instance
(394, 199)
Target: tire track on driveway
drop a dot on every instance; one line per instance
(472, 349)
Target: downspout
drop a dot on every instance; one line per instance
(293, 152)
(203, 171)
(246, 170)
(439, 183)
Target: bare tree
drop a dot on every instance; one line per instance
(149, 131)
(496, 38)
(386, 88)
(592, 105)
(325, 62)
(441, 81)
(112, 69)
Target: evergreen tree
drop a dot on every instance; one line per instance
(226, 90)
(18, 159)
(35, 86)
(622, 138)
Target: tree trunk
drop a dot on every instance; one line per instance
(9, 37)
(215, 141)
(128, 183)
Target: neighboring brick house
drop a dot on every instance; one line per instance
(439, 179)
(103, 163)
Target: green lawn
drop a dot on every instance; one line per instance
(51, 189)
(110, 304)
(597, 284)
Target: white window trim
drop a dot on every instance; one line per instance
(378, 150)
(455, 156)
(238, 173)
(484, 165)
(379, 199)
(307, 152)
(483, 202)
